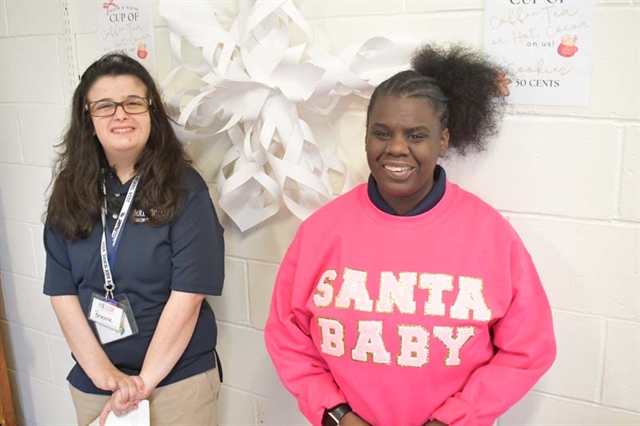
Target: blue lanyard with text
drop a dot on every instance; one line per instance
(110, 241)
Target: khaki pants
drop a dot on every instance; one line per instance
(192, 401)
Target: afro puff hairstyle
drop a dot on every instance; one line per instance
(463, 87)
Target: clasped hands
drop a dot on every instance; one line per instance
(352, 419)
(127, 390)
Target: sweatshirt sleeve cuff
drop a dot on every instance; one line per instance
(329, 402)
(454, 412)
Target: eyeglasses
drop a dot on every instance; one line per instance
(131, 105)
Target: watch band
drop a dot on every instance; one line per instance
(333, 416)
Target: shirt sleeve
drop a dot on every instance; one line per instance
(197, 247)
(525, 349)
(297, 361)
(58, 278)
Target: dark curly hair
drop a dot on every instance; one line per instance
(76, 198)
(462, 85)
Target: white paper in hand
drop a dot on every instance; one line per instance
(138, 417)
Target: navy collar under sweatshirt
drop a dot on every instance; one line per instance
(427, 203)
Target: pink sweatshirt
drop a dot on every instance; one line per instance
(408, 319)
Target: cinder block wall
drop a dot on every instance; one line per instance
(567, 178)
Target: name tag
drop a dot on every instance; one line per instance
(106, 313)
(108, 335)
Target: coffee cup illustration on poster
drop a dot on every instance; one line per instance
(127, 26)
(546, 47)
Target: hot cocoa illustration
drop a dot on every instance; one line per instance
(567, 46)
(142, 50)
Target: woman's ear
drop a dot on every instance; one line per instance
(444, 143)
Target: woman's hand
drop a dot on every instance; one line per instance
(129, 391)
(105, 411)
(352, 419)
(118, 406)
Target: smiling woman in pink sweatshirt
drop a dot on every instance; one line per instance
(409, 301)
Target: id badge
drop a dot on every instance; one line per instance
(126, 327)
(106, 312)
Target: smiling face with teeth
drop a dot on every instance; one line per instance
(403, 143)
(123, 136)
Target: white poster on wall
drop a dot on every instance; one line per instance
(546, 47)
(127, 26)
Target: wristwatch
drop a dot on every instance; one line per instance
(333, 416)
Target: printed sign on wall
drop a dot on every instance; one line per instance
(127, 26)
(546, 47)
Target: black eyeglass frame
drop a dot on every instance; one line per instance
(87, 106)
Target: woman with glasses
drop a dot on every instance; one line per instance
(133, 246)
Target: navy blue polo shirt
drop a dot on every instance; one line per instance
(185, 255)
(429, 201)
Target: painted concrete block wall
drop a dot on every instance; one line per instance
(568, 179)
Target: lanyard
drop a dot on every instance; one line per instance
(108, 251)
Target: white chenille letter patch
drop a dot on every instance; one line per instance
(445, 335)
(354, 287)
(470, 298)
(414, 346)
(370, 342)
(332, 337)
(324, 290)
(436, 284)
(397, 292)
